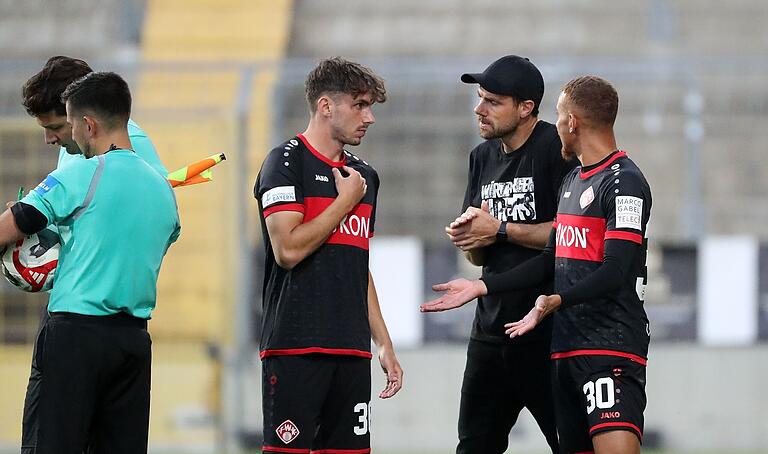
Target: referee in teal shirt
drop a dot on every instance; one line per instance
(117, 217)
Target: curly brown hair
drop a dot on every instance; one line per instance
(42, 92)
(337, 75)
(595, 97)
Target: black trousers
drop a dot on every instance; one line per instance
(29, 421)
(499, 380)
(94, 384)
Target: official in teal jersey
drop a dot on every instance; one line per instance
(117, 217)
(41, 97)
(140, 143)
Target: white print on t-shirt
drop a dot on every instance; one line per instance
(510, 200)
(629, 212)
(278, 194)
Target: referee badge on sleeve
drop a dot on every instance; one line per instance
(46, 185)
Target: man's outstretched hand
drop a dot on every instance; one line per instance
(457, 293)
(544, 306)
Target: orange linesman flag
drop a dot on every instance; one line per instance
(197, 172)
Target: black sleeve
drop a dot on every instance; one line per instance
(279, 184)
(533, 271)
(28, 218)
(376, 183)
(472, 183)
(607, 277)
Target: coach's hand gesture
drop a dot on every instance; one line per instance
(351, 188)
(458, 292)
(544, 306)
(474, 229)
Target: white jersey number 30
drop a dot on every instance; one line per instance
(363, 418)
(600, 394)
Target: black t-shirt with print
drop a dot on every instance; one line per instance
(520, 187)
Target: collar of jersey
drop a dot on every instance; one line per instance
(320, 156)
(611, 158)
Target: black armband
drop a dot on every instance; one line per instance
(28, 218)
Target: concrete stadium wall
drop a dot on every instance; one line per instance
(699, 399)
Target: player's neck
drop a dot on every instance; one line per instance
(321, 140)
(516, 140)
(595, 147)
(114, 140)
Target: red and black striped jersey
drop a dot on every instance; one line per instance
(321, 304)
(608, 201)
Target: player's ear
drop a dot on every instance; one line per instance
(324, 106)
(573, 123)
(90, 124)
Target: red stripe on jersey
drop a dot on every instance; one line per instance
(620, 235)
(580, 237)
(288, 450)
(617, 424)
(322, 157)
(342, 451)
(354, 229)
(584, 175)
(572, 353)
(307, 351)
(554, 224)
(285, 207)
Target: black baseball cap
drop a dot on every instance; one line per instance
(511, 76)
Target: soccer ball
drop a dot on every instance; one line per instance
(30, 264)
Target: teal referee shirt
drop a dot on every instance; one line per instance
(116, 217)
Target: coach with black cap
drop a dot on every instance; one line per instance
(509, 206)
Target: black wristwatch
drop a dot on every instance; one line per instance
(501, 235)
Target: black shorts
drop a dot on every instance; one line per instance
(316, 402)
(595, 394)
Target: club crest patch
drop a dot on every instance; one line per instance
(287, 431)
(587, 197)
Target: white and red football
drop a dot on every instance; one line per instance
(31, 263)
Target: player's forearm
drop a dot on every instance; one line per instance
(306, 238)
(379, 332)
(608, 277)
(532, 236)
(9, 232)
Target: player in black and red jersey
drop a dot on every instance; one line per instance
(597, 252)
(317, 203)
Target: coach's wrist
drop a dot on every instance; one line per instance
(501, 232)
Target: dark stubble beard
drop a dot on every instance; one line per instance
(498, 133)
(567, 154)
